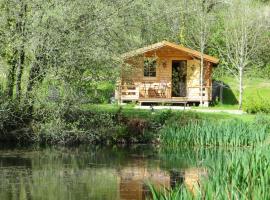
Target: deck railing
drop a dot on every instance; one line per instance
(129, 92)
(148, 90)
(155, 90)
(194, 92)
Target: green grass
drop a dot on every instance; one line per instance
(218, 106)
(212, 133)
(251, 86)
(130, 111)
(255, 97)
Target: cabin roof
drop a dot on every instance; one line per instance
(159, 45)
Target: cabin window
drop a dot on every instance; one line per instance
(150, 67)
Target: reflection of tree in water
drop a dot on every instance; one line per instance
(190, 178)
(104, 173)
(177, 178)
(15, 170)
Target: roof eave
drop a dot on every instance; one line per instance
(165, 43)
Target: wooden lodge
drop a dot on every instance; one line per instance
(165, 73)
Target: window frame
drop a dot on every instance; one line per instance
(150, 67)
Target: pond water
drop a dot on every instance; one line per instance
(97, 173)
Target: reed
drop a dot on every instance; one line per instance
(214, 133)
(180, 193)
(241, 176)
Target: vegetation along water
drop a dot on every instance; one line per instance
(76, 77)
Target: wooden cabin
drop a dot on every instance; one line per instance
(165, 73)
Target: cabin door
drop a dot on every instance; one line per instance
(179, 78)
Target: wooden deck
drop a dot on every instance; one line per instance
(154, 94)
(165, 100)
(180, 100)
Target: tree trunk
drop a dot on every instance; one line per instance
(34, 71)
(21, 57)
(19, 73)
(201, 80)
(11, 76)
(240, 88)
(36, 76)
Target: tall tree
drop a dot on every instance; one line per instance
(199, 20)
(243, 38)
(21, 31)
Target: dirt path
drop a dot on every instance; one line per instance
(236, 112)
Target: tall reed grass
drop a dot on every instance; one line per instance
(241, 176)
(214, 133)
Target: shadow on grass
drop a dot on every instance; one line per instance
(224, 91)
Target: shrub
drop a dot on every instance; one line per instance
(183, 118)
(69, 126)
(257, 104)
(163, 116)
(76, 126)
(104, 92)
(14, 122)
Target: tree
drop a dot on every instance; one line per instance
(243, 28)
(199, 20)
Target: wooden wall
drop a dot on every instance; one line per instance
(135, 72)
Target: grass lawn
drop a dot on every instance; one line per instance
(253, 88)
(130, 111)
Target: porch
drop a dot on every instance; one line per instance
(153, 92)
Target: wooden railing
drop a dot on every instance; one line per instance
(155, 90)
(129, 92)
(148, 90)
(194, 92)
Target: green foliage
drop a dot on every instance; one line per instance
(57, 56)
(104, 92)
(68, 126)
(14, 122)
(257, 104)
(163, 116)
(91, 130)
(180, 193)
(243, 175)
(259, 70)
(255, 95)
(213, 133)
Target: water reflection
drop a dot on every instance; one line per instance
(133, 181)
(96, 173)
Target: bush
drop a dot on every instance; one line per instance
(14, 122)
(104, 92)
(163, 116)
(69, 126)
(257, 104)
(76, 126)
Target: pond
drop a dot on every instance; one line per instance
(97, 173)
